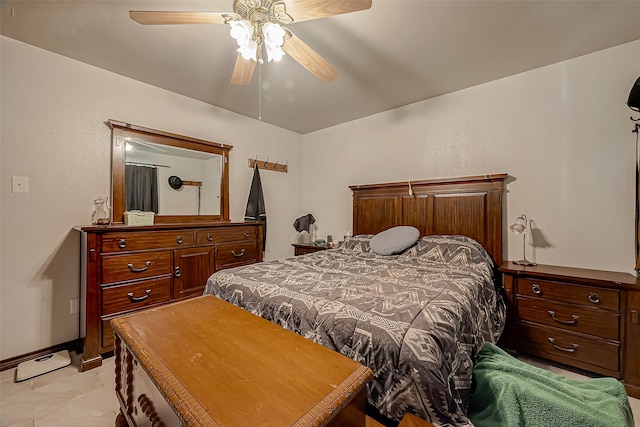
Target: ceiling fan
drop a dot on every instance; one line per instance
(261, 23)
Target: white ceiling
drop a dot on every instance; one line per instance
(396, 53)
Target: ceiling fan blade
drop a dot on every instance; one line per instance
(310, 59)
(304, 10)
(163, 18)
(243, 71)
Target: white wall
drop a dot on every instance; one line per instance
(53, 132)
(562, 132)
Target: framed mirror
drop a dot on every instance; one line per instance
(181, 179)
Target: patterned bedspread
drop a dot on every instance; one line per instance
(417, 319)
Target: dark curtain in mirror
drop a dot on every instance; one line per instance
(141, 188)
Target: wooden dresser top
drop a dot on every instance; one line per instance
(578, 275)
(214, 361)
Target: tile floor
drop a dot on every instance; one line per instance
(69, 398)
(65, 397)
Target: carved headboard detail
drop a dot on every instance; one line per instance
(470, 206)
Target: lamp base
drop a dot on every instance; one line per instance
(525, 262)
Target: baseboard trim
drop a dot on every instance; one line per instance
(14, 361)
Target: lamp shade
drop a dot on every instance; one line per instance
(273, 41)
(273, 34)
(519, 225)
(249, 51)
(242, 31)
(634, 96)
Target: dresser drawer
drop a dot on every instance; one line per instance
(116, 299)
(557, 344)
(225, 234)
(122, 298)
(232, 254)
(121, 268)
(136, 241)
(586, 320)
(575, 294)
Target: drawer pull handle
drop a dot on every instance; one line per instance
(139, 270)
(573, 321)
(177, 272)
(209, 237)
(233, 252)
(138, 299)
(593, 297)
(122, 243)
(535, 288)
(179, 240)
(246, 235)
(573, 348)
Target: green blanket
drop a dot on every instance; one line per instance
(511, 393)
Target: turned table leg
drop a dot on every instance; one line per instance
(121, 421)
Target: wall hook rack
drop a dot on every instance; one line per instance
(270, 166)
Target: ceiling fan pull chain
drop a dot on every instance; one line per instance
(259, 90)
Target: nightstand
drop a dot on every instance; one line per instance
(307, 248)
(588, 319)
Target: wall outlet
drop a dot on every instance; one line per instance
(20, 184)
(74, 306)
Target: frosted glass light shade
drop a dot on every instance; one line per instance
(519, 225)
(242, 31)
(273, 41)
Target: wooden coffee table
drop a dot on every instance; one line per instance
(206, 362)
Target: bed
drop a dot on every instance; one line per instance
(417, 318)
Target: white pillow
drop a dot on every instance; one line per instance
(394, 240)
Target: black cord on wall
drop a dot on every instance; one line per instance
(636, 130)
(634, 103)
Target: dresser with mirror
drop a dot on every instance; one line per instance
(183, 184)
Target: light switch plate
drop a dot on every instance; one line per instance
(20, 184)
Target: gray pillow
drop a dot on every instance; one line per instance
(394, 240)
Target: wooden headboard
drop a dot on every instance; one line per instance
(468, 206)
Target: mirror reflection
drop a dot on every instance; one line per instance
(180, 178)
(171, 180)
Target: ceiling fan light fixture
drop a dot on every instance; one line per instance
(249, 50)
(273, 34)
(257, 23)
(242, 31)
(273, 41)
(274, 53)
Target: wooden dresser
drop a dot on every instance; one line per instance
(207, 362)
(589, 319)
(128, 268)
